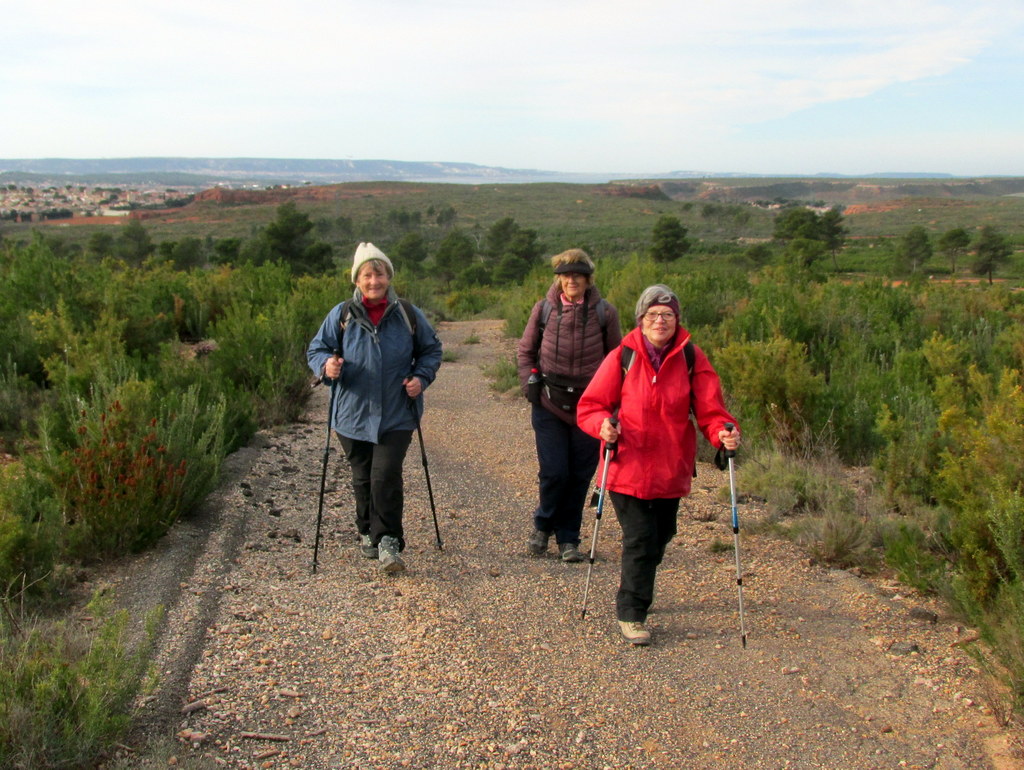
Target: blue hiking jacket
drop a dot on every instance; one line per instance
(371, 398)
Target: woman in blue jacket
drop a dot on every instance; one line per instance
(389, 354)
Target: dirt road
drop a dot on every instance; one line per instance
(477, 657)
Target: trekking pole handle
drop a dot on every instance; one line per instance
(730, 452)
(324, 378)
(612, 446)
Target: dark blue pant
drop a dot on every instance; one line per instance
(377, 483)
(647, 527)
(568, 458)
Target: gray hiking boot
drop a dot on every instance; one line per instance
(635, 633)
(390, 559)
(569, 552)
(366, 547)
(537, 543)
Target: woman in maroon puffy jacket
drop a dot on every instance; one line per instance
(568, 335)
(652, 467)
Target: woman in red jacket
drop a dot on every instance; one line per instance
(651, 392)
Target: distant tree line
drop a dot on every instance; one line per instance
(432, 243)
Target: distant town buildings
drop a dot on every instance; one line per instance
(22, 203)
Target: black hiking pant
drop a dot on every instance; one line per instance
(377, 483)
(567, 457)
(647, 527)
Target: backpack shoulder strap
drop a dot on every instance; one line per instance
(602, 320)
(343, 319)
(628, 356)
(691, 357)
(408, 315)
(546, 309)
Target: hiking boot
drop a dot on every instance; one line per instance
(636, 633)
(390, 560)
(366, 547)
(569, 552)
(537, 543)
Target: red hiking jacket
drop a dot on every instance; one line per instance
(657, 445)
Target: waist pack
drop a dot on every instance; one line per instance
(563, 392)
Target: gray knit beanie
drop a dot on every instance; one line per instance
(659, 294)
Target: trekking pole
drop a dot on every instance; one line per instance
(426, 472)
(731, 453)
(609, 450)
(323, 474)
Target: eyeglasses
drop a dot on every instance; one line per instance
(665, 315)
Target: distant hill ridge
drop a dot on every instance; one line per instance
(258, 174)
(278, 170)
(326, 171)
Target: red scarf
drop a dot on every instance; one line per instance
(375, 312)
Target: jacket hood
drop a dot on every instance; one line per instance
(635, 339)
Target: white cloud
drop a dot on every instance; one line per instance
(399, 78)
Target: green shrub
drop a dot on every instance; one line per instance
(66, 690)
(76, 355)
(797, 484)
(503, 374)
(262, 351)
(773, 385)
(467, 303)
(979, 477)
(29, 532)
(839, 537)
(19, 399)
(627, 283)
(130, 464)
(919, 558)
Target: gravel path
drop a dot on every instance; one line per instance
(477, 657)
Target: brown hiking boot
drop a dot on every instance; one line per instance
(635, 632)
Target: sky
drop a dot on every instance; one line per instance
(645, 86)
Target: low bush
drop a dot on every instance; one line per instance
(503, 374)
(67, 687)
(30, 529)
(919, 555)
(19, 400)
(262, 352)
(839, 537)
(124, 463)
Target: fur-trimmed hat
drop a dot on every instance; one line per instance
(659, 294)
(364, 253)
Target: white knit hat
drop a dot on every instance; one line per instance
(364, 253)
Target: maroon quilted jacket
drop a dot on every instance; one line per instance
(569, 344)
